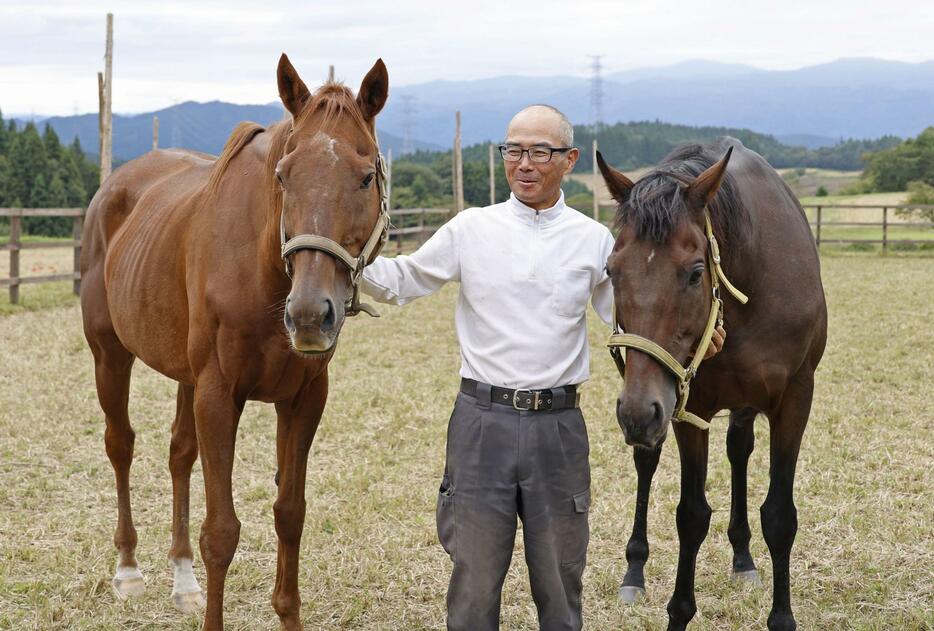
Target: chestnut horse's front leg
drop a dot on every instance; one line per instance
(217, 414)
(693, 519)
(298, 421)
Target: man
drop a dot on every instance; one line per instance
(517, 444)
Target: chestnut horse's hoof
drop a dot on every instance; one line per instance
(630, 594)
(189, 602)
(749, 577)
(128, 582)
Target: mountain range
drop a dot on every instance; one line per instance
(812, 106)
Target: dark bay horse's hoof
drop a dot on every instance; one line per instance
(748, 577)
(630, 594)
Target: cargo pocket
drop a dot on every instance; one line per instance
(445, 516)
(578, 533)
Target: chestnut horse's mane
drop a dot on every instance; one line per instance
(333, 100)
(657, 204)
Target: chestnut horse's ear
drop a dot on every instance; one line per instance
(292, 90)
(706, 185)
(374, 90)
(619, 185)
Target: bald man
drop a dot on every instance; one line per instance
(517, 445)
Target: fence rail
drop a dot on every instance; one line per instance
(414, 224)
(15, 246)
(821, 226)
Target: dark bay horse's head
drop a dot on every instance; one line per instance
(326, 167)
(661, 286)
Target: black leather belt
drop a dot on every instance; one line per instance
(532, 400)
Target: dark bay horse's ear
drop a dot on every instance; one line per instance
(619, 185)
(374, 90)
(292, 90)
(706, 185)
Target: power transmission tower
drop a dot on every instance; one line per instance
(596, 92)
(408, 123)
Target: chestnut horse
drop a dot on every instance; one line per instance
(667, 276)
(187, 265)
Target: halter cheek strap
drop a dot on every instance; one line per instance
(620, 341)
(355, 264)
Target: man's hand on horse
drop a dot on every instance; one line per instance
(716, 342)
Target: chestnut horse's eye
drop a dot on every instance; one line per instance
(367, 180)
(696, 275)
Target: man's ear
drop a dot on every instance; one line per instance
(618, 184)
(702, 190)
(573, 156)
(292, 90)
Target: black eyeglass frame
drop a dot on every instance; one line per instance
(553, 150)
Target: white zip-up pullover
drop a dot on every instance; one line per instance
(525, 279)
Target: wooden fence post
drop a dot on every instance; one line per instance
(885, 230)
(421, 227)
(107, 98)
(593, 186)
(15, 233)
(818, 226)
(76, 230)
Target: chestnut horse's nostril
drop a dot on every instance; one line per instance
(330, 316)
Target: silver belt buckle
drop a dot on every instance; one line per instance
(535, 400)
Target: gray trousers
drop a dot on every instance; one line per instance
(503, 463)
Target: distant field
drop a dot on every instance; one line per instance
(806, 182)
(863, 558)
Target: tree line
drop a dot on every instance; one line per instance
(38, 171)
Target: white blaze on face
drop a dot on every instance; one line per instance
(185, 581)
(329, 144)
(648, 261)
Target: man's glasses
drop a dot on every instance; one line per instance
(538, 153)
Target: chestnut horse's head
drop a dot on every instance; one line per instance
(661, 284)
(326, 167)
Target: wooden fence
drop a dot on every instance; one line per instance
(15, 245)
(838, 229)
(414, 225)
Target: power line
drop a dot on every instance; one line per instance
(596, 92)
(408, 123)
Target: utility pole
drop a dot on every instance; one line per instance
(105, 85)
(331, 73)
(593, 186)
(155, 133)
(492, 178)
(458, 167)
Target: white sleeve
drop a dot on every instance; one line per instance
(602, 299)
(404, 278)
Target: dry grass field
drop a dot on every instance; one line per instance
(863, 559)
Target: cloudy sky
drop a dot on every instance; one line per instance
(168, 51)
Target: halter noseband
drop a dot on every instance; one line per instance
(620, 340)
(356, 264)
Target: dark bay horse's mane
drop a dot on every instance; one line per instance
(333, 100)
(657, 202)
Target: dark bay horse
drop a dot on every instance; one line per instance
(233, 277)
(665, 285)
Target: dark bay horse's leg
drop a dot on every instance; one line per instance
(217, 414)
(693, 519)
(740, 441)
(112, 367)
(778, 513)
(298, 422)
(637, 550)
(183, 451)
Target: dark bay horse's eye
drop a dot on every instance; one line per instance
(696, 275)
(366, 181)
